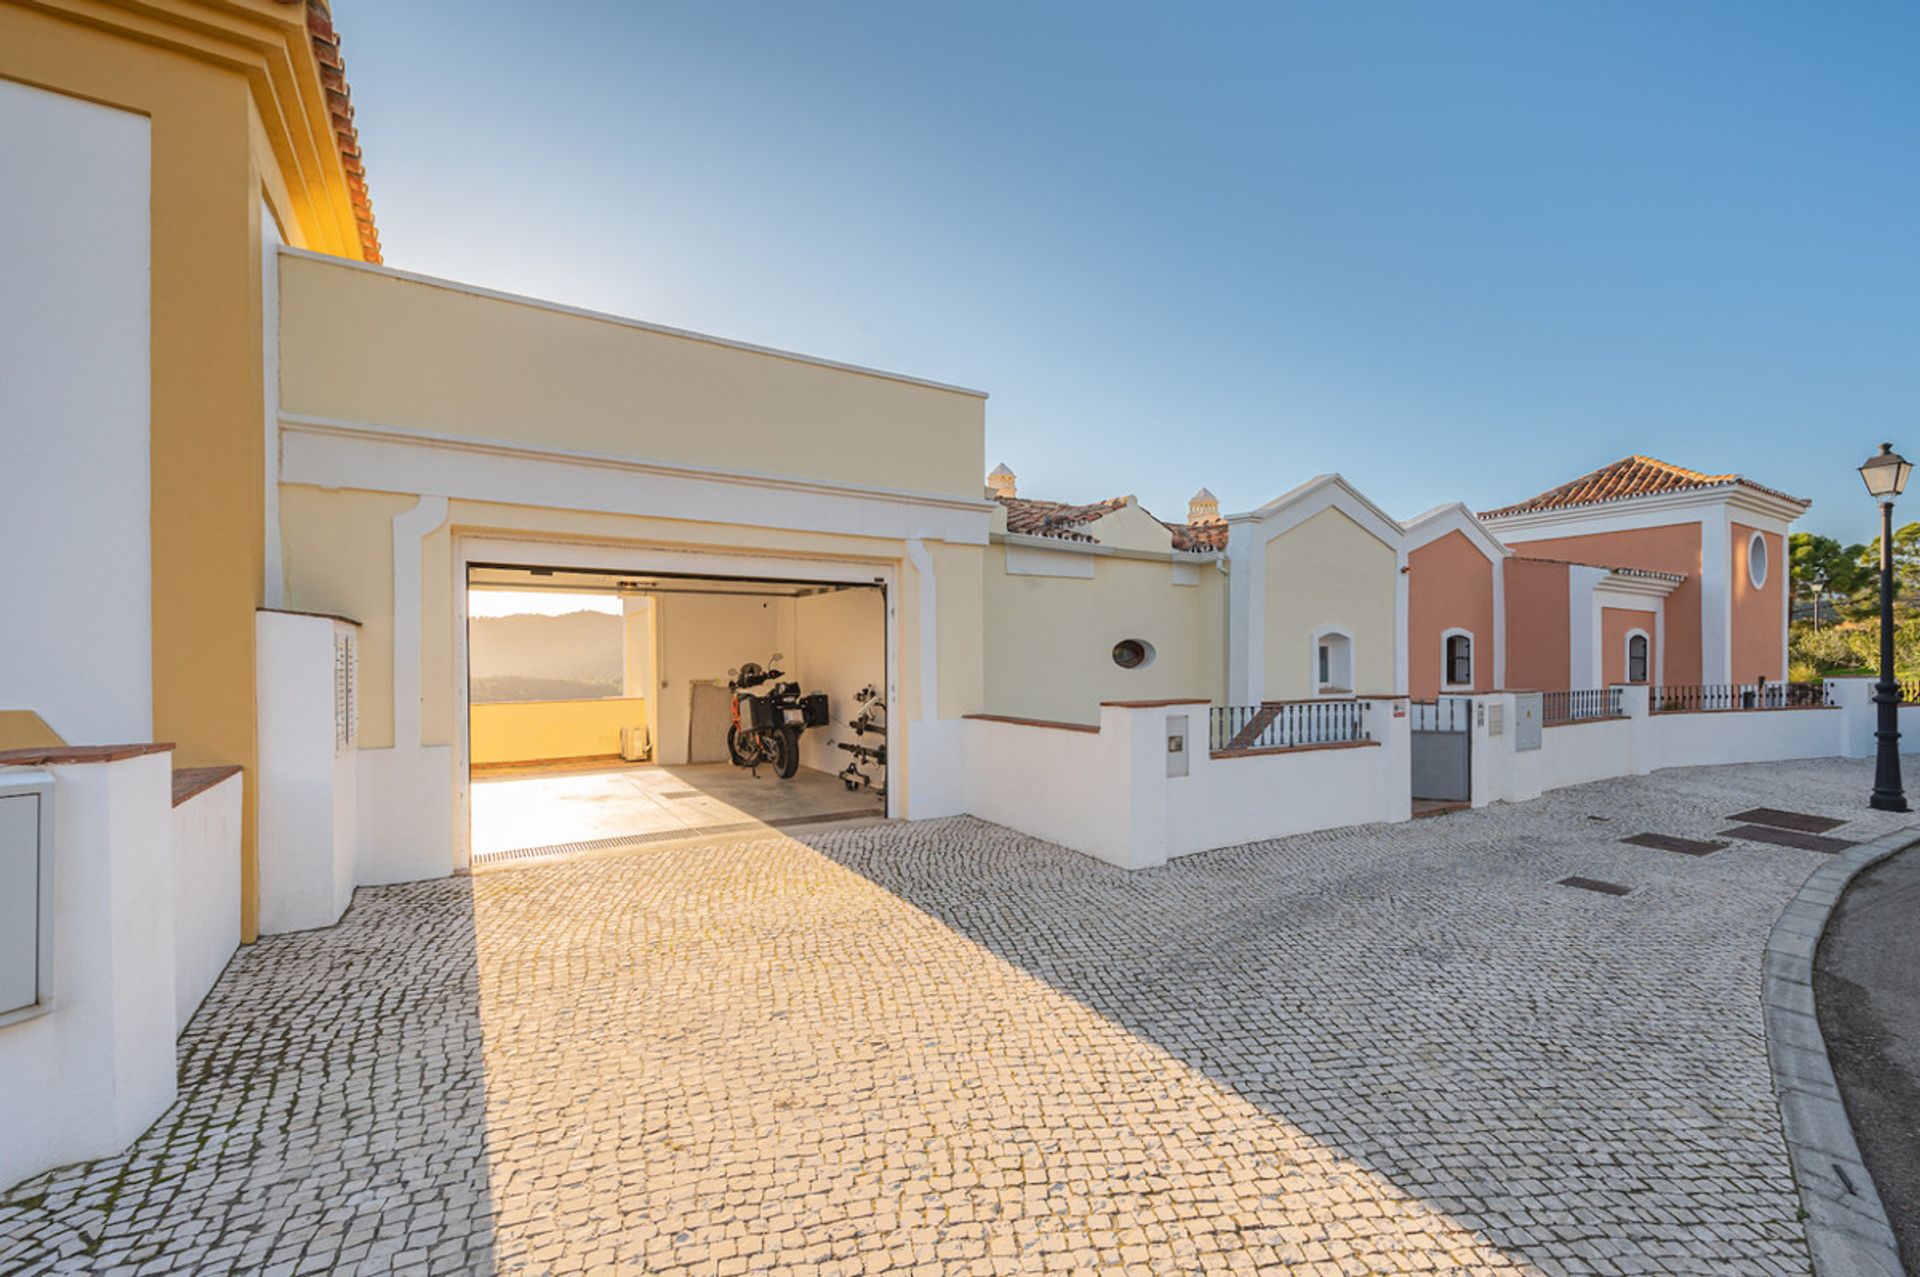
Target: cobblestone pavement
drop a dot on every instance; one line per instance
(946, 1048)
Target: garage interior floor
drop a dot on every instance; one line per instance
(517, 815)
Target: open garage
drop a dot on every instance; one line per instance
(614, 708)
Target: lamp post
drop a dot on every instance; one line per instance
(1885, 475)
(1819, 587)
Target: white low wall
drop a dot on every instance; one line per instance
(1109, 793)
(1060, 783)
(1243, 798)
(96, 1068)
(1640, 742)
(206, 892)
(308, 777)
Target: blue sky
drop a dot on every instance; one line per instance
(1452, 250)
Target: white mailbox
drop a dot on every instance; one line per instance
(26, 893)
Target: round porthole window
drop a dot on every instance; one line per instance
(1757, 561)
(1133, 654)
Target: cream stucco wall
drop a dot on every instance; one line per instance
(1049, 639)
(361, 344)
(339, 559)
(1328, 571)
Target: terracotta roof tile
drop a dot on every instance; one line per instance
(1199, 538)
(1634, 476)
(1062, 521)
(1055, 518)
(333, 77)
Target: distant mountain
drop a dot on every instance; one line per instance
(525, 657)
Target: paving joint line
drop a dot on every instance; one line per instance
(1848, 1234)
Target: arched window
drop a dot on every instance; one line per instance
(1333, 661)
(1636, 658)
(1456, 659)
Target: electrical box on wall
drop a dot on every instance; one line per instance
(1176, 744)
(1529, 714)
(26, 894)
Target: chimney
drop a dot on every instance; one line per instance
(1000, 484)
(1203, 507)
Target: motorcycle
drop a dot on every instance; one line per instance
(766, 727)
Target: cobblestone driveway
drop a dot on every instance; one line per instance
(946, 1048)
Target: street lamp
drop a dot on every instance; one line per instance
(1886, 476)
(1819, 584)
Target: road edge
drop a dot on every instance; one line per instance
(1847, 1229)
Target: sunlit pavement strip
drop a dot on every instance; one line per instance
(947, 1048)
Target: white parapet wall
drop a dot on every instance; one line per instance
(1639, 741)
(206, 891)
(308, 769)
(92, 1067)
(1143, 788)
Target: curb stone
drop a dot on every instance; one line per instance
(1847, 1229)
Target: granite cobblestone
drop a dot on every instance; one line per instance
(947, 1048)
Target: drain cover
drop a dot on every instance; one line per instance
(1667, 842)
(1798, 821)
(1787, 838)
(1594, 884)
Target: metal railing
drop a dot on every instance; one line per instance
(1580, 705)
(1731, 696)
(1442, 714)
(1909, 691)
(1286, 726)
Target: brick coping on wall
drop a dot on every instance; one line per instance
(62, 755)
(1758, 709)
(1033, 722)
(190, 782)
(1290, 749)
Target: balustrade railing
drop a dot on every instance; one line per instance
(1735, 696)
(1442, 714)
(1286, 726)
(1580, 705)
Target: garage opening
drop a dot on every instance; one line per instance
(608, 709)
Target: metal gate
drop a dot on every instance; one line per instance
(1443, 749)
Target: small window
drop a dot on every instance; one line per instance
(1133, 654)
(1333, 663)
(1459, 659)
(1636, 658)
(1757, 561)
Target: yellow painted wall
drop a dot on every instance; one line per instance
(365, 346)
(198, 73)
(1328, 570)
(536, 731)
(1049, 640)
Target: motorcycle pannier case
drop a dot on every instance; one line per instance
(758, 714)
(815, 709)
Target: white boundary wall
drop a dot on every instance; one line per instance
(1110, 793)
(206, 892)
(308, 784)
(1640, 741)
(88, 1075)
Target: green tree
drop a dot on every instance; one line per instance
(1906, 573)
(1845, 573)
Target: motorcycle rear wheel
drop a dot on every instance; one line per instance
(785, 747)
